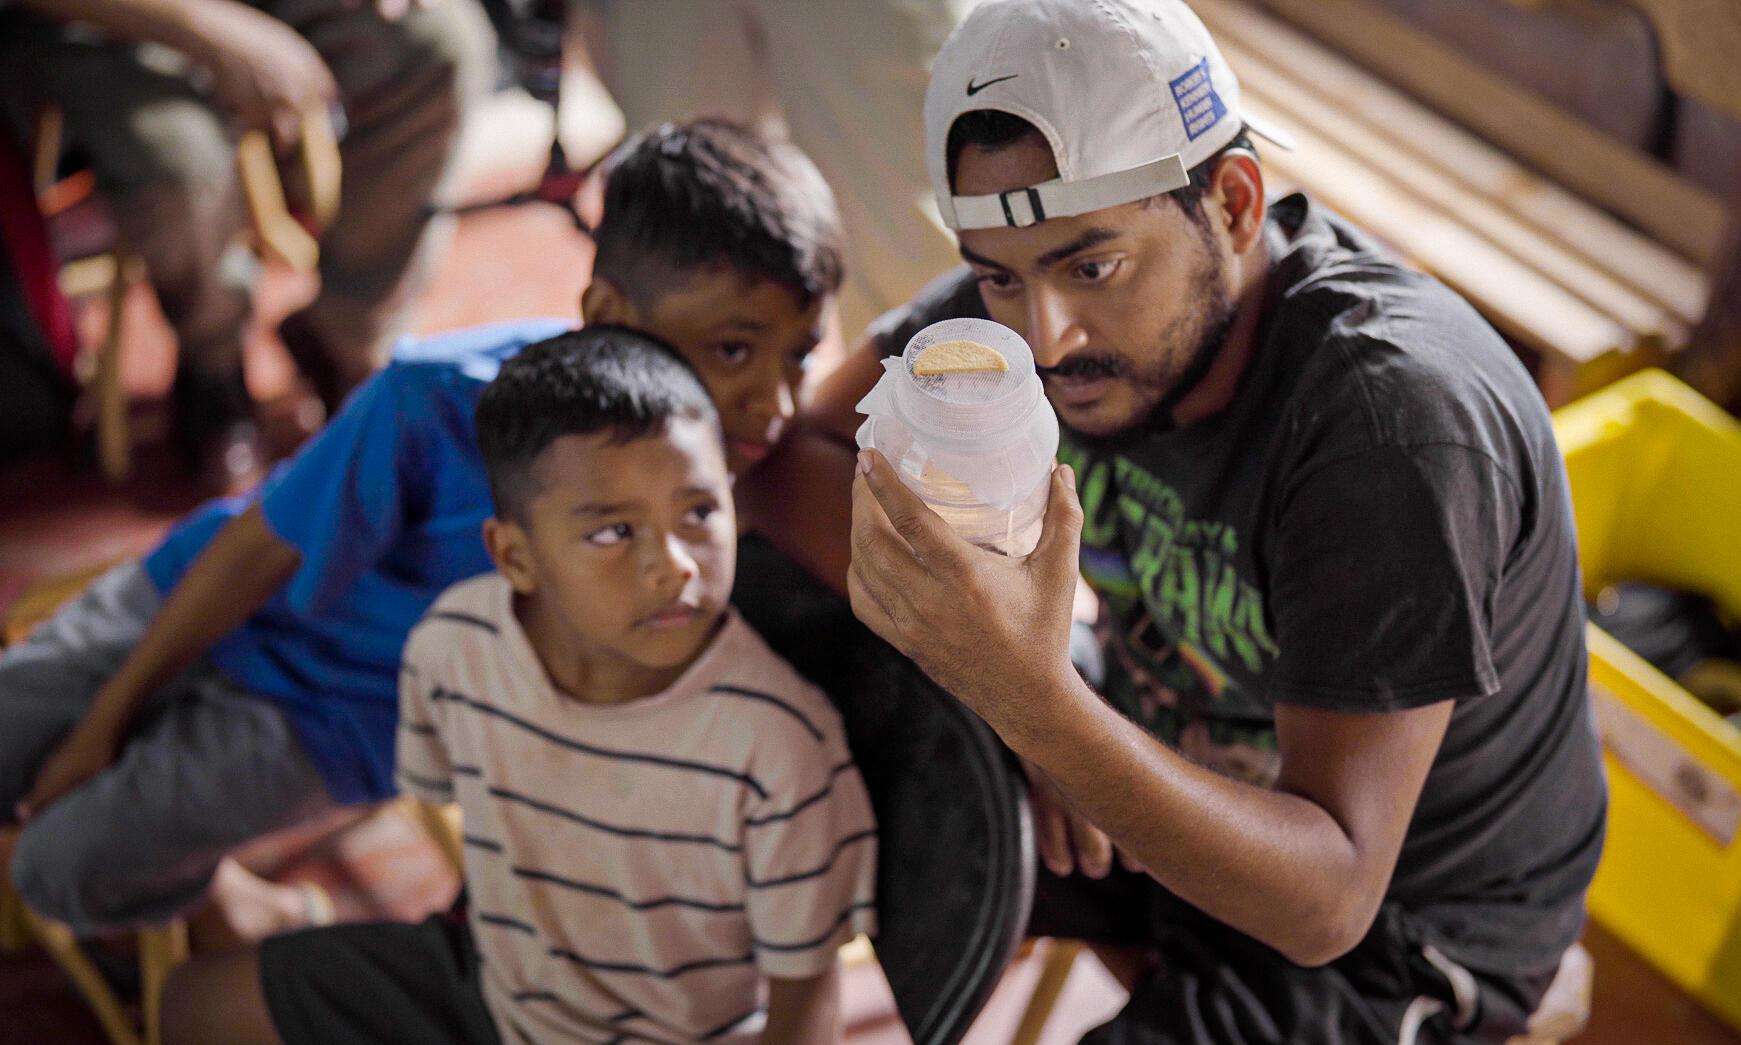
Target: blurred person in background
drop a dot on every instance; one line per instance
(847, 88)
(156, 93)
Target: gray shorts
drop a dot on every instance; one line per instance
(206, 768)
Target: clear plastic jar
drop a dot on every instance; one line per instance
(977, 447)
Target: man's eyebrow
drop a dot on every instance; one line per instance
(981, 260)
(753, 326)
(1090, 238)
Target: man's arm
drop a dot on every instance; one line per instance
(264, 73)
(804, 1012)
(242, 567)
(1302, 868)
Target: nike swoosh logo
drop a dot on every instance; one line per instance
(975, 88)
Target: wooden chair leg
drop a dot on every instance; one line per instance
(14, 933)
(114, 450)
(442, 823)
(63, 947)
(1060, 959)
(160, 951)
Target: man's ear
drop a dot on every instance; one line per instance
(1238, 186)
(509, 549)
(604, 302)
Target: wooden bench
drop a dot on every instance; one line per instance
(1584, 295)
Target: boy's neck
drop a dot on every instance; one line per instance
(586, 672)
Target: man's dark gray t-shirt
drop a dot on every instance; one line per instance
(1379, 521)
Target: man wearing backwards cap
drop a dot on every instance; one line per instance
(1343, 724)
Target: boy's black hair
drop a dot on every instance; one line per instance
(685, 196)
(599, 379)
(994, 129)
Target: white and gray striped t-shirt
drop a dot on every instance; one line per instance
(635, 871)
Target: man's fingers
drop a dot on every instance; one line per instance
(286, 128)
(1093, 848)
(42, 795)
(868, 609)
(873, 535)
(1061, 533)
(1130, 863)
(1051, 825)
(922, 528)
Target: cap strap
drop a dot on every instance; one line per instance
(1019, 208)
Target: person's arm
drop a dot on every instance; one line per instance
(320, 521)
(804, 1012)
(800, 498)
(244, 565)
(421, 763)
(832, 410)
(264, 72)
(1302, 868)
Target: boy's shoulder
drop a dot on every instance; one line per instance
(785, 710)
(468, 611)
(475, 352)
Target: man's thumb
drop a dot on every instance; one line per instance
(1061, 531)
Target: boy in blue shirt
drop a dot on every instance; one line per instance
(241, 677)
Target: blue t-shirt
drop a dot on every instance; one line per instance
(386, 506)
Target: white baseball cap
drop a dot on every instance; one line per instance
(1130, 95)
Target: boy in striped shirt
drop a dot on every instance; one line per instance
(665, 836)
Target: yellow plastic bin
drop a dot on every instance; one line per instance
(1656, 483)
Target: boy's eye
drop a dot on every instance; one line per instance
(1096, 270)
(997, 282)
(733, 352)
(609, 535)
(698, 515)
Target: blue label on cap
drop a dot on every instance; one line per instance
(1199, 106)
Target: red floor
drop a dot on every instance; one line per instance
(55, 517)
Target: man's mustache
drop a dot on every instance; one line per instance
(1077, 367)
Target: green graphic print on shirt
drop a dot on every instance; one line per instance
(1185, 632)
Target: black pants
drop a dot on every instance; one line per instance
(377, 982)
(1213, 985)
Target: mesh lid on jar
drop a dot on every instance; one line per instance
(979, 388)
(992, 430)
(961, 410)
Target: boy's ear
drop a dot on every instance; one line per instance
(604, 302)
(509, 549)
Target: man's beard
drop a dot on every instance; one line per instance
(1205, 330)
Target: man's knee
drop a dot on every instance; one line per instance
(74, 877)
(177, 141)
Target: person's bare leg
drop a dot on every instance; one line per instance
(243, 908)
(217, 1000)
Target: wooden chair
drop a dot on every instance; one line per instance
(105, 264)
(160, 949)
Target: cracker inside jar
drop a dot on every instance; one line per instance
(959, 357)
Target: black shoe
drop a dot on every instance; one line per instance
(309, 351)
(215, 432)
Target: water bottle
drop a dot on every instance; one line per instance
(975, 446)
